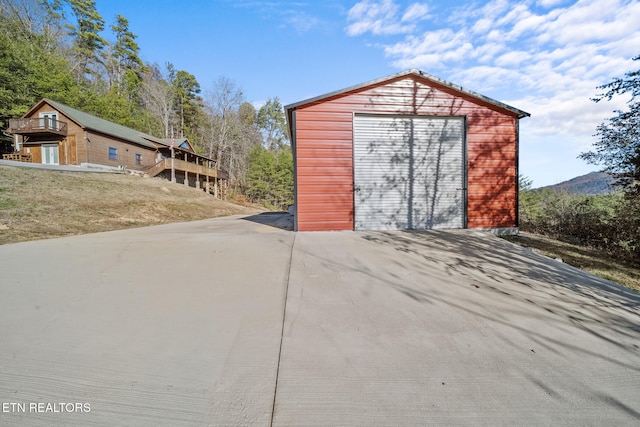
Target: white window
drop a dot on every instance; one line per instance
(49, 121)
(50, 154)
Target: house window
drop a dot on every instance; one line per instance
(50, 154)
(113, 153)
(138, 159)
(49, 121)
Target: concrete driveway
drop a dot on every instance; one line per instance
(236, 321)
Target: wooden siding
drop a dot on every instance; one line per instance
(98, 152)
(35, 151)
(324, 151)
(70, 148)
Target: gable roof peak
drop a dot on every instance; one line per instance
(421, 74)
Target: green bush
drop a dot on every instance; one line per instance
(610, 222)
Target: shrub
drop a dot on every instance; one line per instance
(610, 222)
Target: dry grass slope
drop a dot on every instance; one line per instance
(39, 204)
(588, 259)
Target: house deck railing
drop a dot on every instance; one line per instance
(18, 157)
(183, 166)
(37, 125)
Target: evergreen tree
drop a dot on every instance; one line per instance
(88, 45)
(260, 176)
(30, 66)
(187, 101)
(124, 55)
(270, 177)
(273, 125)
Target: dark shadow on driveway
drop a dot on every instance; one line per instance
(561, 312)
(477, 252)
(281, 220)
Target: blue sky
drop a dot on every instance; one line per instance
(543, 56)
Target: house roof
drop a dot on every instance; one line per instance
(89, 121)
(417, 73)
(94, 123)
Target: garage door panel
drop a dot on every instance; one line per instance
(438, 173)
(408, 172)
(382, 187)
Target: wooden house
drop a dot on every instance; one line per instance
(407, 151)
(56, 134)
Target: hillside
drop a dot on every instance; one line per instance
(591, 183)
(40, 204)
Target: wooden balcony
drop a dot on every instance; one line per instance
(182, 166)
(37, 127)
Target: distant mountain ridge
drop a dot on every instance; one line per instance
(591, 183)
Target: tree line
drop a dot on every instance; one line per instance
(58, 49)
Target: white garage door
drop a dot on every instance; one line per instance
(409, 172)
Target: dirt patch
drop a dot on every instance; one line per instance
(40, 204)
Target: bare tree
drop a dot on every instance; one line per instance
(158, 97)
(232, 129)
(223, 103)
(35, 18)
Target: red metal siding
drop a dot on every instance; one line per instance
(324, 147)
(324, 170)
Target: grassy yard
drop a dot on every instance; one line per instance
(589, 259)
(40, 204)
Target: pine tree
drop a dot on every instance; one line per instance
(187, 102)
(273, 125)
(88, 45)
(124, 53)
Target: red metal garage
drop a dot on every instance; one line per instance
(407, 151)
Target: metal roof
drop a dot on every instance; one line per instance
(420, 74)
(104, 126)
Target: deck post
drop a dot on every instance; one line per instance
(197, 173)
(173, 166)
(186, 172)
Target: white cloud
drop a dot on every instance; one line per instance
(486, 79)
(488, 51)
(591, 20)
(481, 26)
(301, 21)
(433, 41)
(550, 3)
(566, 115)
(383, 17)
(492, 10)
(512, 58)
(416, 12)
(547, 57)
